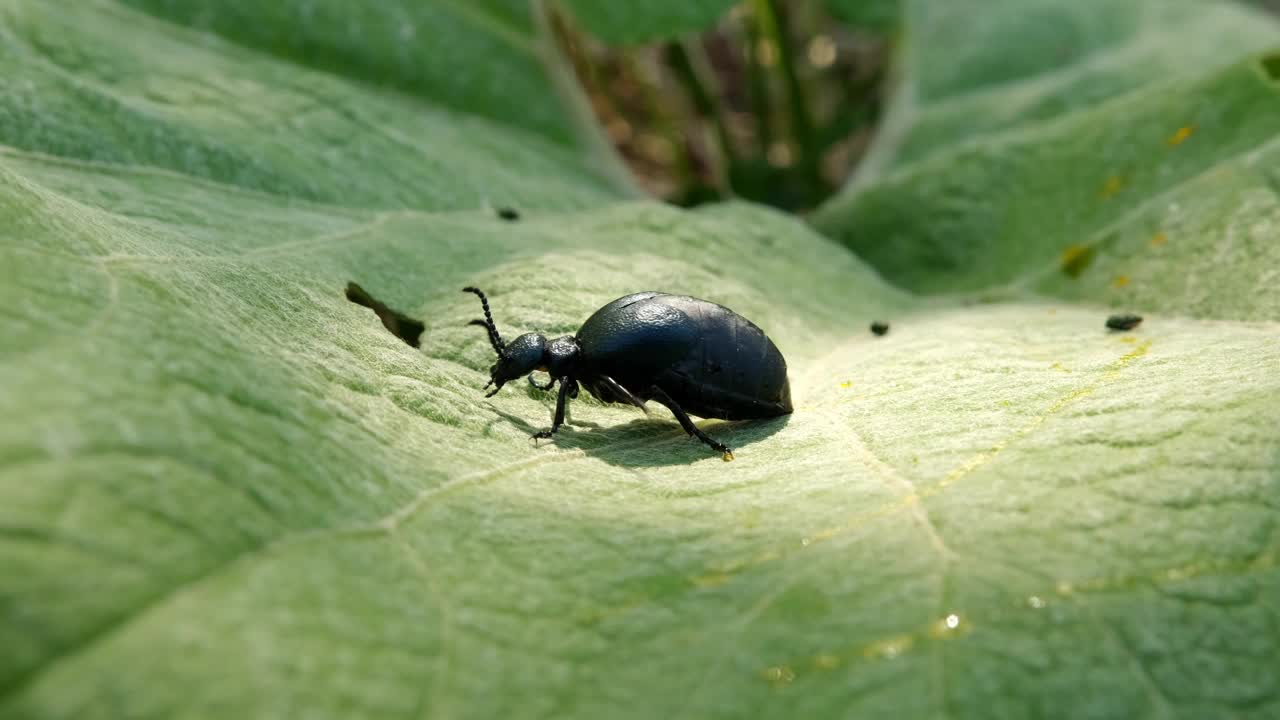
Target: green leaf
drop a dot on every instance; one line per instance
(875, 14)
(1154, 150)
(428, 49)
(226, 491)
(110, 84)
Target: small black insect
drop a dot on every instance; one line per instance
(1125, 321)
(693, 356)
(508, 214)
(879, 327)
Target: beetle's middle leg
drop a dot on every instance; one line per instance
(621, 394)
(687, 423)
(567, 387)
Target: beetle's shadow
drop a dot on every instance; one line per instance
(653, 441)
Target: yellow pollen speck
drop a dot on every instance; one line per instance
(1075, 259)
(1181, 136)
(1159, 239)
(1129, 339)
(846, 384)
(826, 661)
(1120, 281)
(1113, 185)
(890, 648)
(1059, 366)
(727, 456)
(1134, 354)
(780, 675)
(711, 580)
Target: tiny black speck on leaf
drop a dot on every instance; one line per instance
(508, 214)
(1126, 321)
(880, 327)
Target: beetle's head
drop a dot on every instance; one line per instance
(524, 355)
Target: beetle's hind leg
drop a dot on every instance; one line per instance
(686, 422)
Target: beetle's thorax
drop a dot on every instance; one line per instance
(561, 357)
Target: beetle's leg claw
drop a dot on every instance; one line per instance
(726, 452)
(542, 435)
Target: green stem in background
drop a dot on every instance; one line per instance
(643, 69)
(690, 65)
(776, 23)
(860, 105)
(758, 79)
(561, 54)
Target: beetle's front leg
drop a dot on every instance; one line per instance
(566, 388)
(550, 383)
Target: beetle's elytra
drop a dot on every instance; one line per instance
(693, 356)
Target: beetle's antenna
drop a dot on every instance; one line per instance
(494, 338)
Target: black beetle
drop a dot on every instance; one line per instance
(690, 355)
